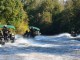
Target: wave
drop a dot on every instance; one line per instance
(59, 36)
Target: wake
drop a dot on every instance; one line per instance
(44, 41)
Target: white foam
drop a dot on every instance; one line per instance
(0, 45)
(54, 37)
(64, 35)
(36, 56)
(21, 42)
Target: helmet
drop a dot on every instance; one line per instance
(5, 26)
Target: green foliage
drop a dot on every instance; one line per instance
(40, 13)
(51, 16)
(76, 12)
(69, 19)
(11, 11)
(47, 5)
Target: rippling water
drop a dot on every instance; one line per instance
(58, 47)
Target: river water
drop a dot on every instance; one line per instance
(57, 47)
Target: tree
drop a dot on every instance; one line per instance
(67, 17)
(41, 12)
(53, 17)
(11, 11)
(76, 11)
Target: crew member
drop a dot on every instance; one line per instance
(5, 32)
(1, 35)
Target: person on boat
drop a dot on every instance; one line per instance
(5, 32)
(1, 35)
(73, 33)
(27, 34)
